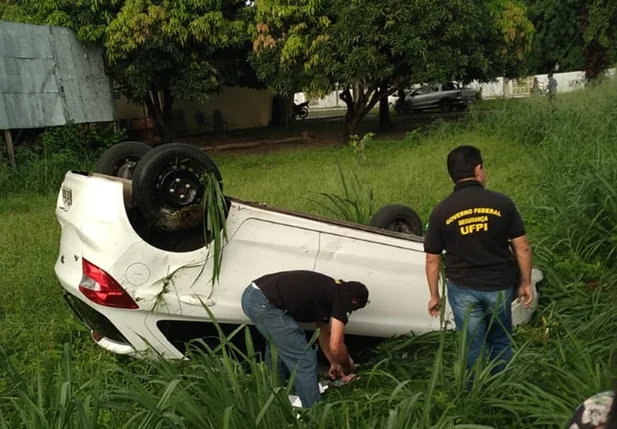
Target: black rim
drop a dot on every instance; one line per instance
(178, 184)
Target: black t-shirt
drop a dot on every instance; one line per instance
(474, 226)
(306, 295)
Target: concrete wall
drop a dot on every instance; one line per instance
(566, 82)
(241, 108)
(330, 101)
(128, 110)
(48, 78)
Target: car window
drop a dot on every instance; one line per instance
(449, 86)
(420, 91)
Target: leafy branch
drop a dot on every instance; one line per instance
(215, 221)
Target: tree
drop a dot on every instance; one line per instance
(372, 48)
(12, 10)
(577, 34)
(158, 51)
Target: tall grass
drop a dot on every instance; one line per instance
(565, 180)
(575, 141)
(356, 203)
(411, 382)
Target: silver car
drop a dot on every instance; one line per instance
(443, 96)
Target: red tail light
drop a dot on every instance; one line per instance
(459, 94)
(101, 288)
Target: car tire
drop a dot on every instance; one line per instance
(167, 188)
(121, 159)
(445, 106)
(398, 218)
(461, 107)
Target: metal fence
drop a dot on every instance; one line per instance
(48, 78)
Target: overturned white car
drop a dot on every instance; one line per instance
(141, 285)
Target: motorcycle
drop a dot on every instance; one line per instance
(301, 110)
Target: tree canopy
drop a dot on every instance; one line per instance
(372, 48)
(161, 50)
(158, 51)
(578, 35)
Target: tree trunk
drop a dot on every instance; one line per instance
(282, 110)
(161, 114)
(357, 108)
(168, 102)
(384, 115)
(596, 60)
(351, 122)
(352, 115)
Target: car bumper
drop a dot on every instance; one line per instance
(102, 330)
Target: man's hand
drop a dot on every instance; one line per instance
(523, 256)
(347, 378)
(525, 291)
(336, 371)
(434, 305)
(337, 347)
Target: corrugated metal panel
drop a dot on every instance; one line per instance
(48, 78)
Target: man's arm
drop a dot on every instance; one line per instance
(433, 246)
(520, 244)
(338, 349)
(324, 341)
(523, 256)
(432, 276)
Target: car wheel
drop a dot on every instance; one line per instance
(303, 113)
(167, 186)
(461, 107)
(445, 106)
(121, 159)
(398, 218)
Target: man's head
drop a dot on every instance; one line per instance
(354, 294)
(465, 163)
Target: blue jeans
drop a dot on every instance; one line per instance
(489, 319)
(289, 338)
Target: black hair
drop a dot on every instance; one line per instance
(351, 291)
(463, 161)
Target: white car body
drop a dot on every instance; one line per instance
(92, 212)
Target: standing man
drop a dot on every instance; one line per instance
(475, 226)
(277, 302)
(552, 87)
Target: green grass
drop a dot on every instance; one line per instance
(556, 162)
(403, 172)
(399, 172)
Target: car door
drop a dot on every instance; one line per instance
(394, 275)
(260, 247)
(425, 97)
(418, 97)
(256, 246)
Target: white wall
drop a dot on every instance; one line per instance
(566, 82)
